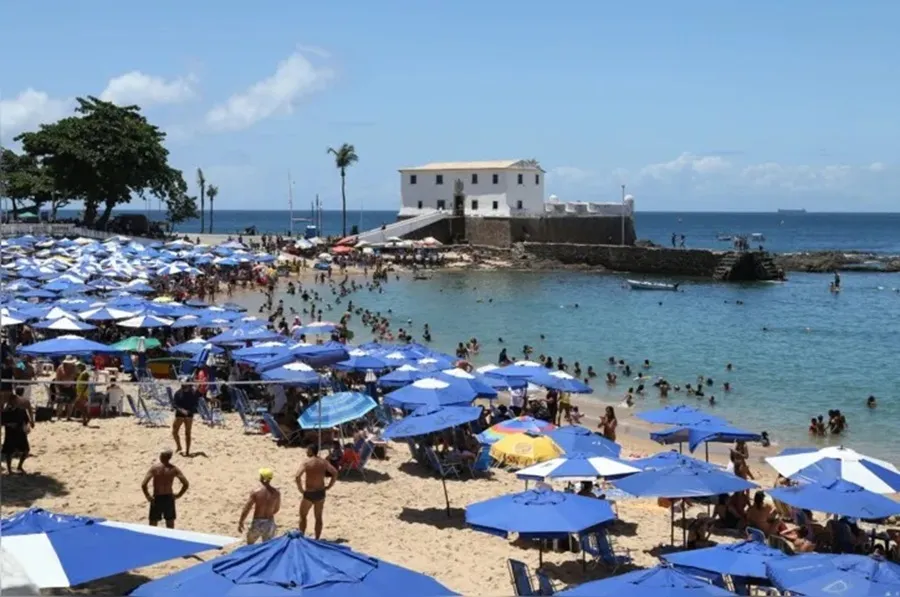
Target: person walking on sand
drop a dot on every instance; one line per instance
(186, 402)
(265, 501)
(311, 483)
(162, 502)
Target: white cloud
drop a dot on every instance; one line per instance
(294, 78)
(29, 109)
(570, 174)
(687, 163)
(145, 90)
(877, 167)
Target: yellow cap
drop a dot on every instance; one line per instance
(266, 474)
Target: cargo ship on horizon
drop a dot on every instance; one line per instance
(792, 211)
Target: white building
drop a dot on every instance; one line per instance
(500, 188)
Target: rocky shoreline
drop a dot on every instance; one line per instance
(478, 257)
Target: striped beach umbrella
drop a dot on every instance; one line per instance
(518, 425)
(336, 409)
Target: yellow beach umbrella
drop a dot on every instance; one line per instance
(524, 449)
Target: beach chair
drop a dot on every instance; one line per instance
(154, 418)
(365, 452)
(599, 546)
(384, 414)
(483, 461)
(781, 543)
(278, 434)
(755, 534)
(210, 416)
(251, 425)
(170, 397)
(439, 466)
(413, 450)
(545, 583)
(521, 579)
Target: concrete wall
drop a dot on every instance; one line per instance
(503, 232)
(641, 260)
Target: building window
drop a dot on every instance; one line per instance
(474, 179)
(420, 205)
(519, 204)
(496, 205)
(474, 204)
(441, 204)
(537, 179)
(521, 179)
(439, 179)
(496, 178)
(412, 179)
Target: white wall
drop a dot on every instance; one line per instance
(505, 193)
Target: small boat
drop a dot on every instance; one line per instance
(725, 237)
(422, 276)
(757, 237)
(645, 285)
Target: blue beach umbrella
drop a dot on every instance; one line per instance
(703, 432)
(501, 383)
(61, 550)
(145, 321)
(332, 410)
(682, 482)
(664, 460)
(293, 374)
(520, 369)
(64, 324)
(476, 381)
(431, 392)
(827, 575)
(194, 346)
(575, 438)
(36, 293)
(561, 381)
(106, 313)
(837, 497)
(431, 419)
(315, 328)
(539, 514)
(680, 414)
(360, 360)
(66, 345)
(251, 333)
(401, 376)
(294, 565)
(661, 581)
(577, 467)
(745, 559)
(837, 461)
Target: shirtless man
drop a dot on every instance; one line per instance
(162, 502)
(313, 490)
(265, 501)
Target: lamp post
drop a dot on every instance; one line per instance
(623, 215)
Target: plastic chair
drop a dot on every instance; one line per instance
(755, 534)
(545, 584)
(521, 579)
(277, 433)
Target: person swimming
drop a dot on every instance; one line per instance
(870, 402)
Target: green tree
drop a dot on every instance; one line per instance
(201, 182)
(212, 192)
(180, 208)
(104, 155)
(344, 157)
(24, 178)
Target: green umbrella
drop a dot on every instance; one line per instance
(132, 344)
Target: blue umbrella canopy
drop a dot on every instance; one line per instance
(293, 374)
(65, 345)
(837, 497)
(61, 550)
(336, 409)
(194, 346)
(401, 376)
(661, 581)
(294, 565)
(827, 575)
(476, 381)
(869, 474)
(680, 414)
(362, 361)
(577, 467)
(64, 324)
(539, 514)
(575, 438)
(254, 333)
(562, 381)
(431, 392)
(431, 419)
(745, 558)
(520, 369)
(682, 482)
(669, 459)
(705, 431)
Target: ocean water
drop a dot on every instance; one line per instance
(784, 232)
(820, 351)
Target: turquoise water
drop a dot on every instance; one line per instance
(822, 351)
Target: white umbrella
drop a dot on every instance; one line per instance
(577, 467)
(845, 463)
(13, 578)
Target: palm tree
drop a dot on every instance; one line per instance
(211, 192)
(344, 157)
(201, 182)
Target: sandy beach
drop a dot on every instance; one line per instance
(396, 514)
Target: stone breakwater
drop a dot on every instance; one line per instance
(641, 260)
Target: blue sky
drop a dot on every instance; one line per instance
(695, 105)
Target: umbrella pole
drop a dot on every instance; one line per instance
(541, 555)
(672, 523)
(706, 444)
(683, 526)
(446, 495)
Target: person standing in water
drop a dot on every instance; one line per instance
(265, 501)
(311, 483)
(162, 501)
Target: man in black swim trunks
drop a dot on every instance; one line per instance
(162, 502)
(313, 472)
(187, 401)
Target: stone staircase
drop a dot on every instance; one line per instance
(767, 269)
(726, 265)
